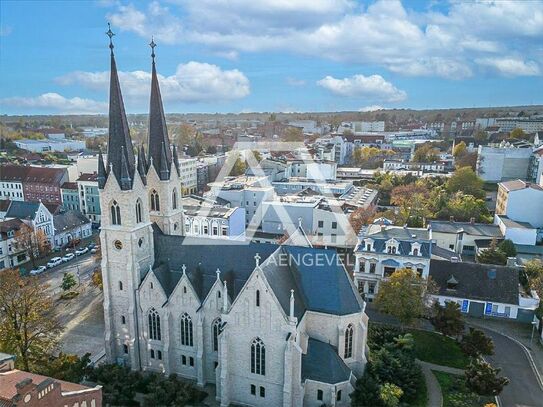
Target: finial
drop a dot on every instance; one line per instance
(218, 273)
(257, 259)
(152, 45)
(299, 222)
(184, 268)
(110, 34)
(292, 293)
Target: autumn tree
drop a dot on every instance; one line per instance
(464, 207)
(361, 217)
(518, 134)
(294, 134)
(97, 280)
(426, 153)
(483, 379)
(30, 328)
(467, 160)
(237, 164)
(335, 122)
(465, 180)
(459, 150)
(480, 136)
(411, 201)
(32, 241)
(475, 343)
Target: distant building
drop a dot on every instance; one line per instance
(70, 225)
(20, 388)
(59, 145)
(189, 175)
(484, 122)
(70, 196)
(368, 126)
(298, 184)
(436, 166)
(202, 176)
(527, 124)
(89, 198)
(535, 167)
(307, 126)
(460, 237)
(504, 162)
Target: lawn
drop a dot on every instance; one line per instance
(455, 393)
(422, 396)
(441, 350)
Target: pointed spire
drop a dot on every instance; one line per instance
(142, 165)
(102, 174)
(126, 179)
(176, 160)
(159, 143)
(119, 133)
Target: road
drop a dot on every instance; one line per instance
(82, 316)
(523, 390)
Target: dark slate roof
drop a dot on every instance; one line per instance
(45, 175)
(10, 172)
(475, 229)
(322, 363)
(476, 281)
(22, 210)
(397, 232)
(318, 278)
(88, 177)
(69, 185)
(202, 257)
(446, 254)
(69, 220)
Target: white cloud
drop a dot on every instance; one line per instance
(422, 43)
(511, 66)
(192, 82)
(373, 87)
(53, 102)
(371, 108)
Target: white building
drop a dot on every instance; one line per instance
(187, 168)
(504, 162)
(35, 215)
(297, 184)
(11, 182)
(528, 124)
(521, 201)
(70, 225)
(51, 144)
(12, 254)
(460, 237)
(360, 127)
(402, 165)
(213, 221)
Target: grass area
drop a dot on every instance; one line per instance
(422, 396)
(441, 350)
(456, 394)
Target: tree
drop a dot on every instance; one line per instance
(70, 368)
(534, 268)
(34, 242)
(464, 207)
(483, 379)
(411, 200)
(465, 180)
(492, 255)
(239, 167)
(448, 319)
(467, 160)
(460, 149)
(97, 280)
(518, 134)
(30, 328)
(426, 153)
(480, 136)
(476, 343)
(294, 134)
(68, 282)
(366, 392)
(508, 248)
(361, 217)
(402, 295)
(390, 394)
(335, 122)
(257, 155)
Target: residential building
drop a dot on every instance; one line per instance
(382, 249)
(70, 196)
(189, 175)
(359, 127)
(89, 197)
(307, 126)
(43, 184)
(483, 290)
(12, 254)
(520, 233)
(19, 388)
(254, 319)
(213, 221)
(535, 167)
(503, 162)
(521, 201)
(70, 225)
(325, 187)
(403, 165)
(34, 214)
(461, 237)
(12, 178)
(484, 122)
(202, 176)
(527, 124)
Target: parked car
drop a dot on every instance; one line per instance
(38, 270)
(68, 257)
(81, 250)
(95, 249)
(91, 246)
(55, 261)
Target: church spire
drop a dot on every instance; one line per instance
(142, 164)
(159, 143)
(102, 175)
(120, 153)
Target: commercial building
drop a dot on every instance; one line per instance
(189, 175)
(528, 124)
(503, 162)
(58, 145)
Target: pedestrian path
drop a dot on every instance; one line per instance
(435, 397)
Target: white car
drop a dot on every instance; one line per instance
(68, 257)
(38, 270)
(81, 251)
(55, 261)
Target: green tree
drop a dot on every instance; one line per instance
(465, 207)
(480, 136)
(476, 343)
(411, 201)
(534, 268)
(68, 282)
(30, 327)
(366, 392)
(465, 180)
(508, 248)
(403, 295)
(70, 368)
(390, 394)
(518, 134)
(448, 319)
(492, 255)
(483, 379)
(459, 149)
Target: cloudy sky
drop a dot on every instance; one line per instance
(272, 55)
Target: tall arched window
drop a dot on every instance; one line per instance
(348, 353)
(216, 327)
(154, 325)
(186, 330)
(258, 298)
(155, 201)
(115, 213)
(139, 212)
(258, 357)
(174, 199)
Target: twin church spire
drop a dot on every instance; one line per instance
(120, 157)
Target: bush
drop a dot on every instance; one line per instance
(476, 343)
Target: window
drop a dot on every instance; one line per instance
(348, 353)
(338, 395)
(174, 199)
(139, 212)
(123, 319)
(371, 288)
(372, 267)
(155, 201)
(115, 213)
(186, 330)
(183, 359)
(253, 389)
(159, 354)
(191, 361)
(319, 395)
(419, 271)
(368, 247)
(125, 349)
(388, 271)
(154, 325)
(120, 285)
(152, 354)
(258, 298)
(334, 225)
(415, 252)
(258, 357)
(262, 391)
(321, 223)
(216, 328)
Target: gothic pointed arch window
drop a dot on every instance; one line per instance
(186, 330)
(258, 357)
(115, 213)
(139, 211)
(154, 325)
(174, 199)
(155, 201)
(216, 329)
(348, 352)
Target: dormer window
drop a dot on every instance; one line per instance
(452, 283)
(392, 246)
(415, 252)
(368, 244)
(415, 249)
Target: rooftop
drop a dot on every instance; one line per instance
(518, 184)
(475, 229)
(323, 364)
(69, 220)
(510, 223)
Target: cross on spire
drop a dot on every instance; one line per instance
(184, 268)
(152, 44)
(257, 259)
(110, 34)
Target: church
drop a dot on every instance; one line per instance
(267, 324)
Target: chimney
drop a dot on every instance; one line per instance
(472, 220)
(511, 262)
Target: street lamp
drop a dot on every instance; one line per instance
(534, 323)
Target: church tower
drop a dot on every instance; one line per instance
(126, 233)
(163, 177)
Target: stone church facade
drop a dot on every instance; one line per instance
(267, 324)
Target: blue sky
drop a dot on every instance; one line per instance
(271, 55)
